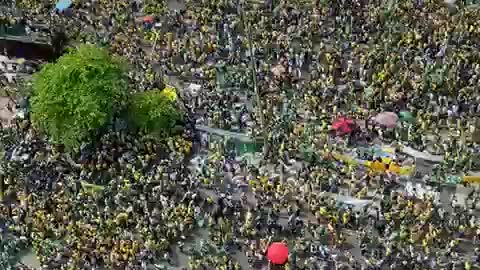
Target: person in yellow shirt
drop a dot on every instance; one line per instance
(345, 218)
(378, 166)
(394, 168)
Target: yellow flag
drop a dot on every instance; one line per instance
(170, 93)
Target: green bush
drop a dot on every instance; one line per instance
(78, 94)
(153, 112)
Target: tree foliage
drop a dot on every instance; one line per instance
(154, 112)
(78, 94)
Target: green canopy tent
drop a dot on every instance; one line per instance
(406, 116)
(241, 143)
(247, 147)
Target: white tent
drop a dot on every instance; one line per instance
(221, 132)
(422, 155)
(194, 88)
(356, 203)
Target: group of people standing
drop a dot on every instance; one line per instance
(282, 71)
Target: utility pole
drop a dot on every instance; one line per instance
(2, 187)
(254, 77)
(255, 87)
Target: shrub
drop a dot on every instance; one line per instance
(78, 94)
(154, 112)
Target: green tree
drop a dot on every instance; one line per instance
(154, 112)
(78, 94)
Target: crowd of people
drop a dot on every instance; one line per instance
(283, 71)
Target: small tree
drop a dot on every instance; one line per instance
(78, 94)
(154, 112)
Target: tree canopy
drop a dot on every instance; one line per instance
(154, 111)
(78, 94)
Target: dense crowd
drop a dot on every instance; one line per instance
(284, 71)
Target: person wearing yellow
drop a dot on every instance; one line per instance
(378, 166)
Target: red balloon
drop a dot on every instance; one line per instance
(277, 253)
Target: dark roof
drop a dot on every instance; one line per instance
(25, 47)
(27, 39)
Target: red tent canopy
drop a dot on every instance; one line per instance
(343, 126)
(277, 253)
